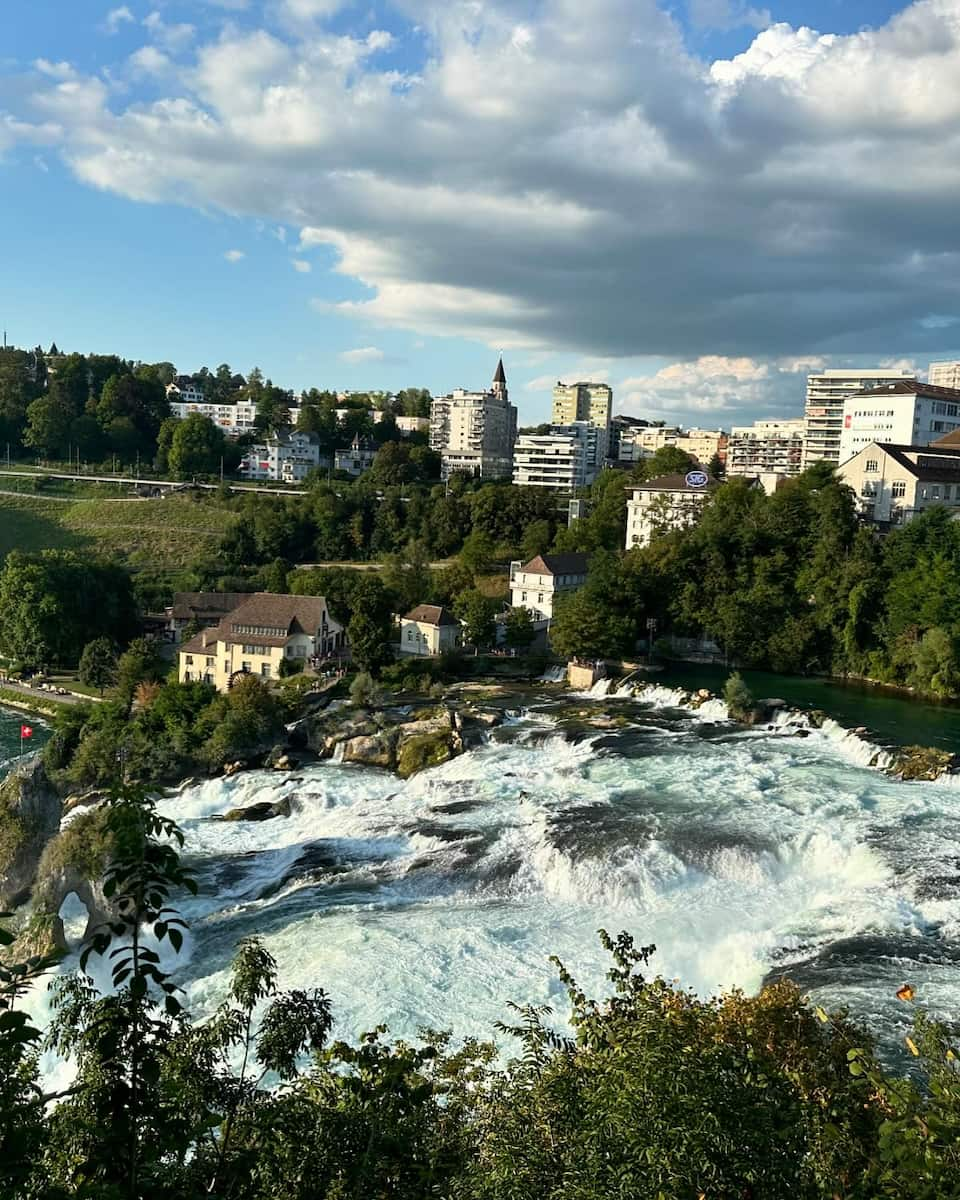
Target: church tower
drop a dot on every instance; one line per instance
(500, 381)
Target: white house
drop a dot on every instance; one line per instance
(665, 503)
(430, 630)
(535, 585)
(286, 457)
(894, 483)
(357, 458)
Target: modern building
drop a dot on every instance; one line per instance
(535, 585)
(666, 503)
(703, 444)
(430, 630)
(619, 425)
(766, 448)
(944, 374)
(894, 483)
(589, 402)
(265, 631)
(408, 425)
(357, 458)
(823, 414)
(905, 413)
(560, 460)
(186, 398)
(475, 432)
(203, 609)
(644, 441)
(286, 457)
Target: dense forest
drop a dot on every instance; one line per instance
(649, 1092)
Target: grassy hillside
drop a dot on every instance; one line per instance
(163, 533)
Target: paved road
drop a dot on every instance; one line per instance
(30, 693)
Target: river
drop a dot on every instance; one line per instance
(741, 855)
(10, 723)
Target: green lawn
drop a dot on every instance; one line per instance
(168, 532)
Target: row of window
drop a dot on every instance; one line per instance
(260, 630)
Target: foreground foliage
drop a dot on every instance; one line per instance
(656, 1094)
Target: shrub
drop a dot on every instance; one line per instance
(738, 696)
(363, 691)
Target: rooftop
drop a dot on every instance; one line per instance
(432, 614)
(556, 564)
(674, 483)
(911, 387)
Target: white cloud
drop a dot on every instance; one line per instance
(234, 256)
(727, 14)
(713, 389)
(55, 70)
(787, 203)
(148, 60)
(117, 17)
(173, 37)
(301, 265)
(364, 354)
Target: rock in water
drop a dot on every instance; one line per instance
(264, 810)
(30, 812)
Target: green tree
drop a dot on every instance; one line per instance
(477, 612)
(739, 698)
(48, 426)
(196, 447)
(370, 629)
(584, 627)
(98, 664)
(519, 631)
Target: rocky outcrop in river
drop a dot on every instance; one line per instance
(30, 811)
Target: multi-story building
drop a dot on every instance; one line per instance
(203, 609)
(186, 398)
(430, 630)
(475, 432)
(905, 413)
(894, 483)
(619, 425)
(703, 444)
(357, 458)
(561, 459)
(590, 402)
(644, 441)
(823, 414)
(285, 457)
(766, 448)
(408, 425)
(944, 374)
(535, 585)
(259, 635)
(666, 503)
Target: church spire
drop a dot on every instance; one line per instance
(500, 376)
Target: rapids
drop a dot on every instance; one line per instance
(742, 855)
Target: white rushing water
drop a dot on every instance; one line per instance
(433, 902)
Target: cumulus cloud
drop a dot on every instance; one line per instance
(795, 200)
(301, 265)
(117, 17)
(364, 354)
(234, 256)
(727, 14)
(148, 60)
(174, 37)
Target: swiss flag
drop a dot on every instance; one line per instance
(26, 731)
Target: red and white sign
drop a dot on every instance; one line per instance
(26, 731)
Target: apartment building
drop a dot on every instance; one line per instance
(766, 448)
(894, 483)
(186, 398)
(619, 425)
(563, 459)
(944, 374)
(589, 402)
(666, 503)
(644, 441)
(257, 637)
(285, 457)
(827, 392)
(906, 413)
(475, 432)
(703, 444)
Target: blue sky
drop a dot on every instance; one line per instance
(384, 195)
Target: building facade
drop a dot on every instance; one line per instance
(357, 458)
(619, 425)
(827, 391)
(535, 585)
(894, 484)
(703, 444)
(203, 609)
(430, 630)
(666, 503)
(644, 441)
(560, 460)
(766, 448)
(906, 414)
(408, 425)
(589, 402)
(285, 458)
(944, 374)
(259, 635)
(475, 432)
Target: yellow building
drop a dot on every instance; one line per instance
(430, 629)
(264, 631)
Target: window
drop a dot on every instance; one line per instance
(899, 488)
(190, 660)
(871, 465)
(209, 662)
(410, 635)
(265, 670)
(947, 490)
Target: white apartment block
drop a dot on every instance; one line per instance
(640, 443)
(285, 458)
(944, 374)
(562, 460)
(590, 402)
(666, 503)
(408, 425)
(475, 432)
(703, 444)
(535, 585)
(906, 414)
(766, 448)
(894, 483)
(823, 414)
